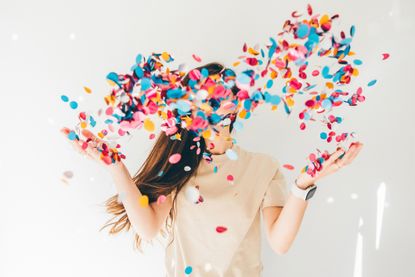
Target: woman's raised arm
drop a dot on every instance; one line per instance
(145, 220)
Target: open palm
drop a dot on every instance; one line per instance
(334, 163)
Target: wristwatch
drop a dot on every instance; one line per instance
(303, 194)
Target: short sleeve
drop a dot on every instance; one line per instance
(277, 191)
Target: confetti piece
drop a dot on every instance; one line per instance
(64, 98)
(371, 83)
(221, 229)
(72, 135)
(314, 63)
(232, 155)
(357, 62)
(143, 201)
(68, 174)
(196, 58)
(175, 158)
(87, 90)
(161, 199)
(188, 270)
(187, 168)
(288, 166)
(385, 56)
(229, 178)
(192, 194)
(149, 125)
(73, 105)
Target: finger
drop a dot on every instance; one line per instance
(355, 153)
(79, 146)
(89, 135)
(349, 154)
(334, 156)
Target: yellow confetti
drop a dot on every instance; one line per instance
(84, 124)
(329, 85)
(355, 72)
(149, 125)
(252, 51)
(143, 201)
(87, 90)
(111, 83)
(165, 56)
(290, 101)
(206, 134)
(242, 113)
(324, 19)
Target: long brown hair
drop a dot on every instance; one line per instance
(157, 176)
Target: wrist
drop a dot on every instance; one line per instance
(116, 167)
(303, 185)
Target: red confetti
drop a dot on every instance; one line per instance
(288, 166)
(385, 56)
(221, 229)
(196, 58)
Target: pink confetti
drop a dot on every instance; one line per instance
(175, 158)
(161, 199)
(288, 166)
(196, 58)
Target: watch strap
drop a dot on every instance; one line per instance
(303, 194)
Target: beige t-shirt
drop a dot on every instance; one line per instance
(198, 247)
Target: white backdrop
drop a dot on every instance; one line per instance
(360, 222)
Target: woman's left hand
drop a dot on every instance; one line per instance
(331, 165)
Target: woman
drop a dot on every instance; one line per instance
(210, 203)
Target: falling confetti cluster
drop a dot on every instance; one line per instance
(314, 65)
(305, 68)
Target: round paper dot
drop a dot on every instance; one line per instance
(64, 98)
(196, 58)
(161, 199)
(371, 83)
(73, 105)
(68, 174)
(229, 178)
(149, 125)
(72, 135)
(143, 201)
(175, 158)
(385, 56)
(192, 194)
(87, 90)
(188, 270)
(288, 166)
(221, 229)
(187, 168)
(232, 155)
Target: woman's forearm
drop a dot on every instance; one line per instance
(141, 218)
(285, 228)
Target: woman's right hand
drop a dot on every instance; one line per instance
(87, 149)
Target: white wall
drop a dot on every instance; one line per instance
(49, 48)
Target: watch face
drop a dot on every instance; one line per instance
(310, 193)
